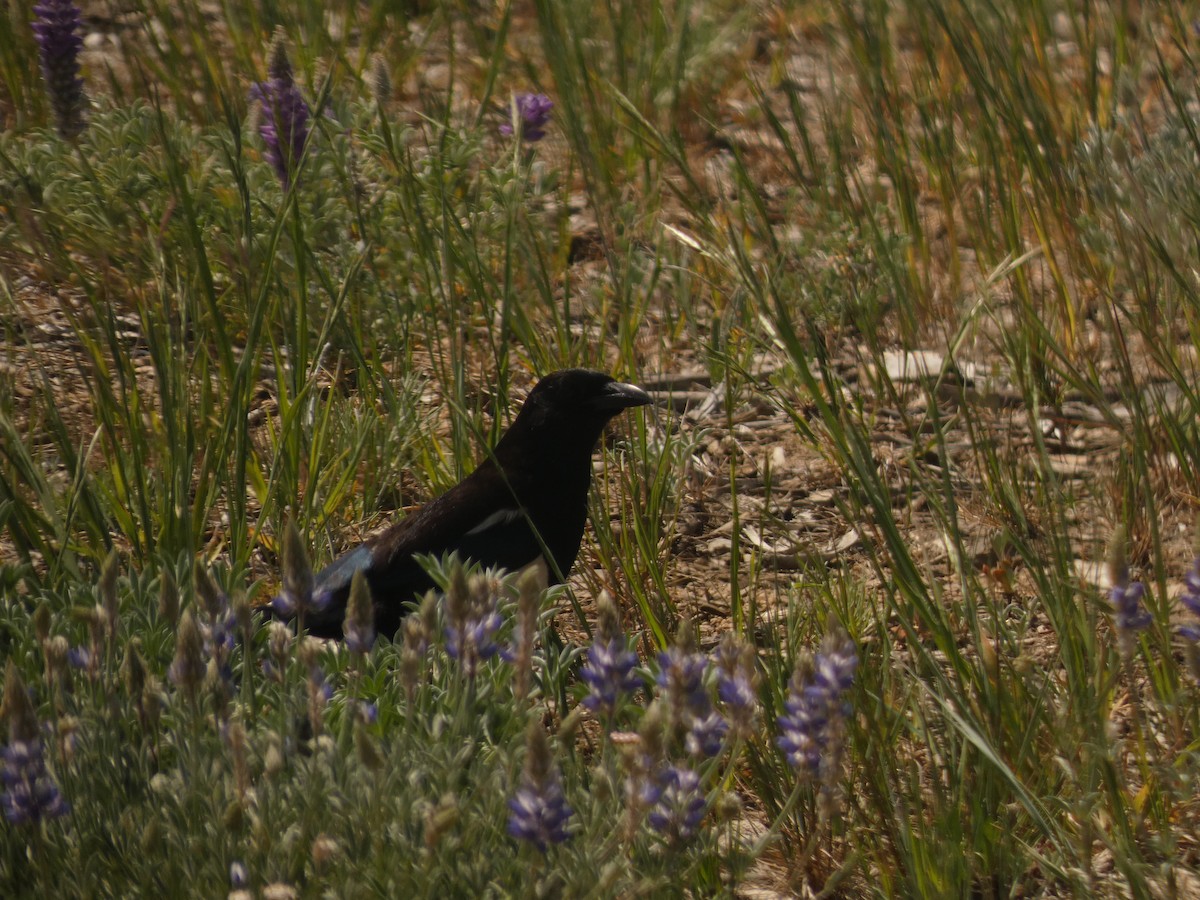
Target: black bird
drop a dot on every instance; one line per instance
(527, 499)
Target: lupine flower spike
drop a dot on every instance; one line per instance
(217, 627)
(528, 607)
(187, 669)
(30, 794)
(472, 619)
(239, 880)
(810, 731)
(359, 627)
(319, 688)
(1125, 596)
(296, 597)
(285, 115)
(642, 754)
(681, 677)
(737, 686)
(538, 812)
(680, 806)
(418, 630)
(56, 28)
(528, 117)
(609, 671)
(279, 650)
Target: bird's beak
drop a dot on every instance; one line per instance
(618, 395)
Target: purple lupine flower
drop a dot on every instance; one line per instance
(472, 640)
(736, 682)
(642, 788)
(56, 29)
(79, 657)
(218, 625)
(1128, 614)
(238, 876)
(815, 707)
(680, 806)
(319, 690)
(30, 794)
(681, 677)
(472, 619)
(296, 596)
(359, 628)
(608, 672)
(641, 753)
(706, 735)
(528, 116)
(285, 115)
(1125, 597)
(538, 812)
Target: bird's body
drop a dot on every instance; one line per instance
(527, 500)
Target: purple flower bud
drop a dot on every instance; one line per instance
(284, 127)
(296, 597)
(609, 674)
(359, 627)
(1125, 597)
(1128, 614)
(368, 713)
(538, 812)
(472, 620)
(529, 115)
(30, 794)
(79, 657)
(736, 684)
(680, 807)
(474, 638)
(56, 29)
(815, 707)
(238, 876)
(705, 736)
(681, 677)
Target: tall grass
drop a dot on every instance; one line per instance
(786, 197)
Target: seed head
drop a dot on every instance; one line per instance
(187, 669)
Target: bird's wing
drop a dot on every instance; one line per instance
(479, 518)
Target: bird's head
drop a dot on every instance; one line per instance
(578, 402)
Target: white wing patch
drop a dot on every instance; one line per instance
(498, 518)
